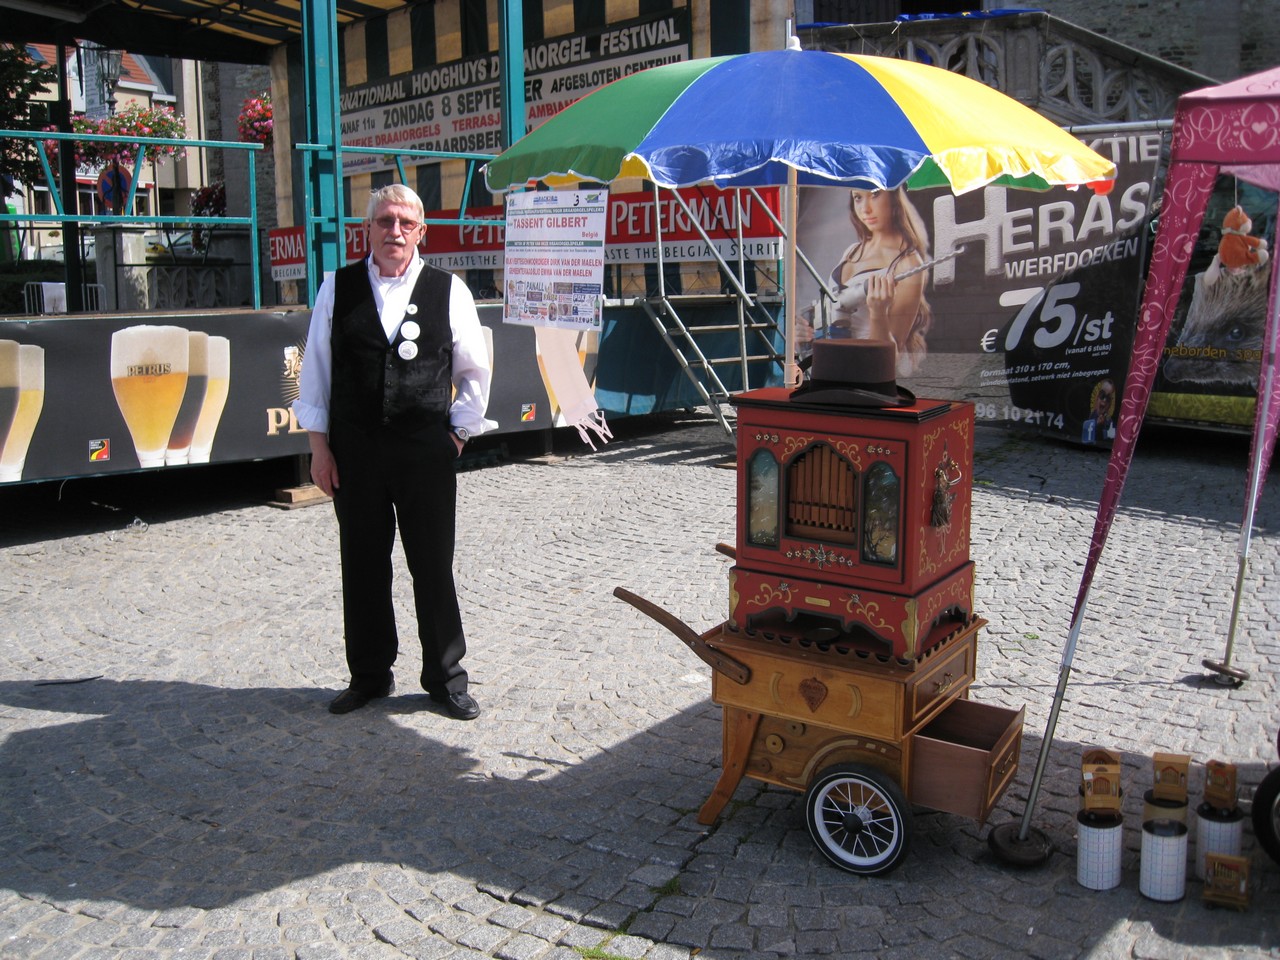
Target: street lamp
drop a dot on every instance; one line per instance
(109, 65)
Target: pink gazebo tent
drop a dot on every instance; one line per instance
(1233, 128)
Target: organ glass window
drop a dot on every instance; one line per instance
(762, 499)
(880, 510)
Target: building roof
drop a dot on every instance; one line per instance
(131, 69)
(245, 31)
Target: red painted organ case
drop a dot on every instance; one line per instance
(853, 522)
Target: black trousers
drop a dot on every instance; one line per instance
(387, 480)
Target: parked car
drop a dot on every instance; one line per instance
(176, 244)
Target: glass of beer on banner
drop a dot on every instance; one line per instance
(184, 427)
(8, 386)
(14, 444)
(149, 377)
(215, 398)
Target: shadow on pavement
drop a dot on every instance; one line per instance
(163, 796)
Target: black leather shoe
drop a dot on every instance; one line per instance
(353, 698)
(461, 706)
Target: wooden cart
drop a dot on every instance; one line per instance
(845, 663)
(862, 736)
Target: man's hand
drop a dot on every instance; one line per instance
(324, 471)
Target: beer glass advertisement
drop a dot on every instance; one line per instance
(1213, 353)
(1022, 302)
(94, 395)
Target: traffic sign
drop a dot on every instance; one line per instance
(113, 185)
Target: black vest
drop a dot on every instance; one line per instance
(373, 384)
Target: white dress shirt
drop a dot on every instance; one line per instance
(471, 367)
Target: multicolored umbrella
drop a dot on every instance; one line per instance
(833, 118)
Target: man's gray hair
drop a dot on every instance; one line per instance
(394, 193)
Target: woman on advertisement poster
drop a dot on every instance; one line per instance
(878, 282)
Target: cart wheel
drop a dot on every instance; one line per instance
(1266, 814)
(858, 818)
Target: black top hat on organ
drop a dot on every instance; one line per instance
(853, 373)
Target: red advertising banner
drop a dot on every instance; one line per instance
(286, 248)
(632, 229)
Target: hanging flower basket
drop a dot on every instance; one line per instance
(134, 120)
(254, 123)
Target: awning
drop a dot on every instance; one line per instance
(241, 32)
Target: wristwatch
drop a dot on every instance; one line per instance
(461, 433)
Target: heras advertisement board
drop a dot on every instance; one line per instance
(94, 395)
(1022, 302)
(457, 106)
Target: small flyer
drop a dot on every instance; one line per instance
(554, 258)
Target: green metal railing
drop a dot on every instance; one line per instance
(142, 144)
(312, 151)
(309, 152)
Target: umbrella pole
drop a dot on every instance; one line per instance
(1225, 673)
(790, 372)
(1028, 846)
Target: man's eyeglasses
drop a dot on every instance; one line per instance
(406, 226)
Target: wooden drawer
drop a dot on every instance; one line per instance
(846, 693)
(963, 761)
(942, 680)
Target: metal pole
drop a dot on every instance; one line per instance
(657, 235)
(1028, 847)
(511, 51)
(790, 371)
(1064, 675)
(1224, 672)
(73, 273)
(254, 265)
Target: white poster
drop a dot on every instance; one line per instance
(555, 258)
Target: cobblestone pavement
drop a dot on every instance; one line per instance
(172, 785)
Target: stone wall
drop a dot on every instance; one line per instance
(1222, 39)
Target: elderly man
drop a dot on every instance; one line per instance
(394, 381)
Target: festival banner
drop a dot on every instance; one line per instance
(457, 106)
